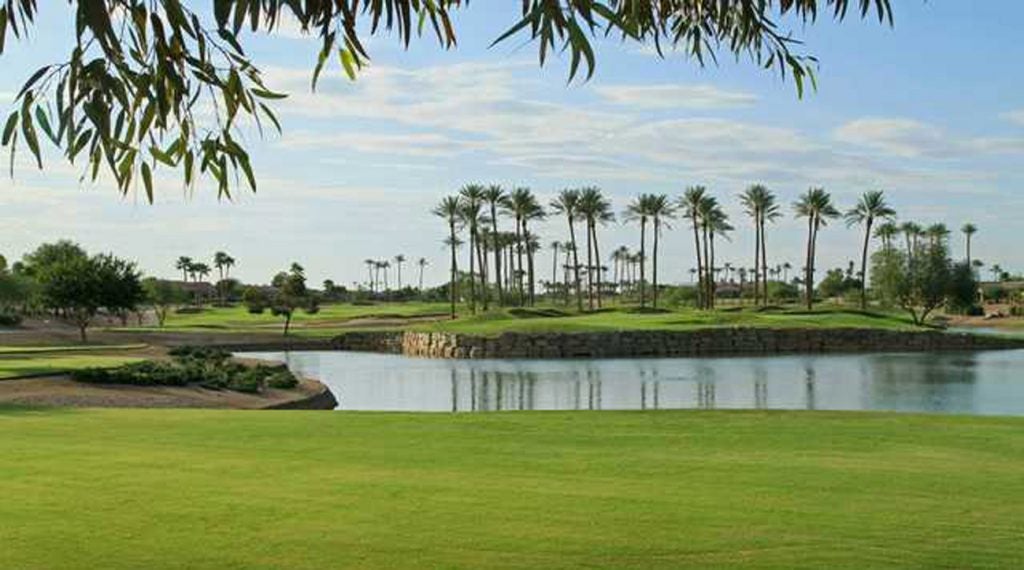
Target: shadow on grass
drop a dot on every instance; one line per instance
(16, 410)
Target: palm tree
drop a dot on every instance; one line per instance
(471, 199)
(422, 262)
(494, 195)
(449, 209)
(183, 264)
(523, 206)
(690, 204)
(221, 261)
(660, 209)
(637, 211)
(887, 232)
(759, 203)
(937, 234)
(595, 209)
(718, 224)
(969, 230)
(370, 266)
(555, 246)
(713, 221)
(566, 204)
(910, 232)
(997, 272)
(871, 207)
(815, 205)
(399, 260)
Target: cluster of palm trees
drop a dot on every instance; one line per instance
(196, 271)
(479, 209)
(377, 270)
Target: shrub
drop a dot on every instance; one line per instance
(9, 319)
(210, 368)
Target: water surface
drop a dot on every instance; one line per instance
(969, 383)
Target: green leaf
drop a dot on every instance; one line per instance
(348, 61)
(12, 123)
(267, 94)
(44, 123)
(147, 181)
(270, 115)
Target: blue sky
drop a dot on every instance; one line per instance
(931, 111)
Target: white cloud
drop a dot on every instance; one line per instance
(675, 96)
(898, 136)
(1016, 117)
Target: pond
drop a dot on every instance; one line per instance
(969, 383)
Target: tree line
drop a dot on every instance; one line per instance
(497, 225)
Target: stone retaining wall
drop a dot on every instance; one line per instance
(705, 342)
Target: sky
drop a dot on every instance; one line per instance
(930, 110)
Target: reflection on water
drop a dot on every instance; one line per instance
(979, 383)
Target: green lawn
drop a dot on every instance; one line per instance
(56, 363)
(311, 490)
(334, 319)
(64, 349)
(332, 316)
(556, 320)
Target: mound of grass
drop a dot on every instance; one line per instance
(120, 489)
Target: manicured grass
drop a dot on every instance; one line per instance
(56, 363)
(63, 349)
(310, 490)
(557, 320)
(335, 319)
(332, 316)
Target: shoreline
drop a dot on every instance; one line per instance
(738, 341)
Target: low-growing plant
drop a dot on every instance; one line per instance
(207, 367)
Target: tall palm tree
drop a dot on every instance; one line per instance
(494, 195)
(523, 206)
(370, 265)
(450, 209)
(712, 221)
(555, 246)
(567, 204)
(639, 210)
(471, 198)
(815, 205)
(753, 200)
(661, 210)
(969, 230)
(871, 207)
(222, 261)
(422, 262)
(183, 264)
(718, 224)
(399, 260)
(690, 204)
(887, 232)
(595, 209)
(910, 232)
(937, 234)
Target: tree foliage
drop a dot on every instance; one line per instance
(124, 100)
(78, 287)
(162, 295)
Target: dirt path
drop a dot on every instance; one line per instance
(63, 392)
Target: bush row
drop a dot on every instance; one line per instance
(209, 368)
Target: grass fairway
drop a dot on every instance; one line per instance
(556, 320)
(45, 363)
(312, 490)
(338, 318)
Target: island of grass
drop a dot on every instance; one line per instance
(223, 489)
(419, 316)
